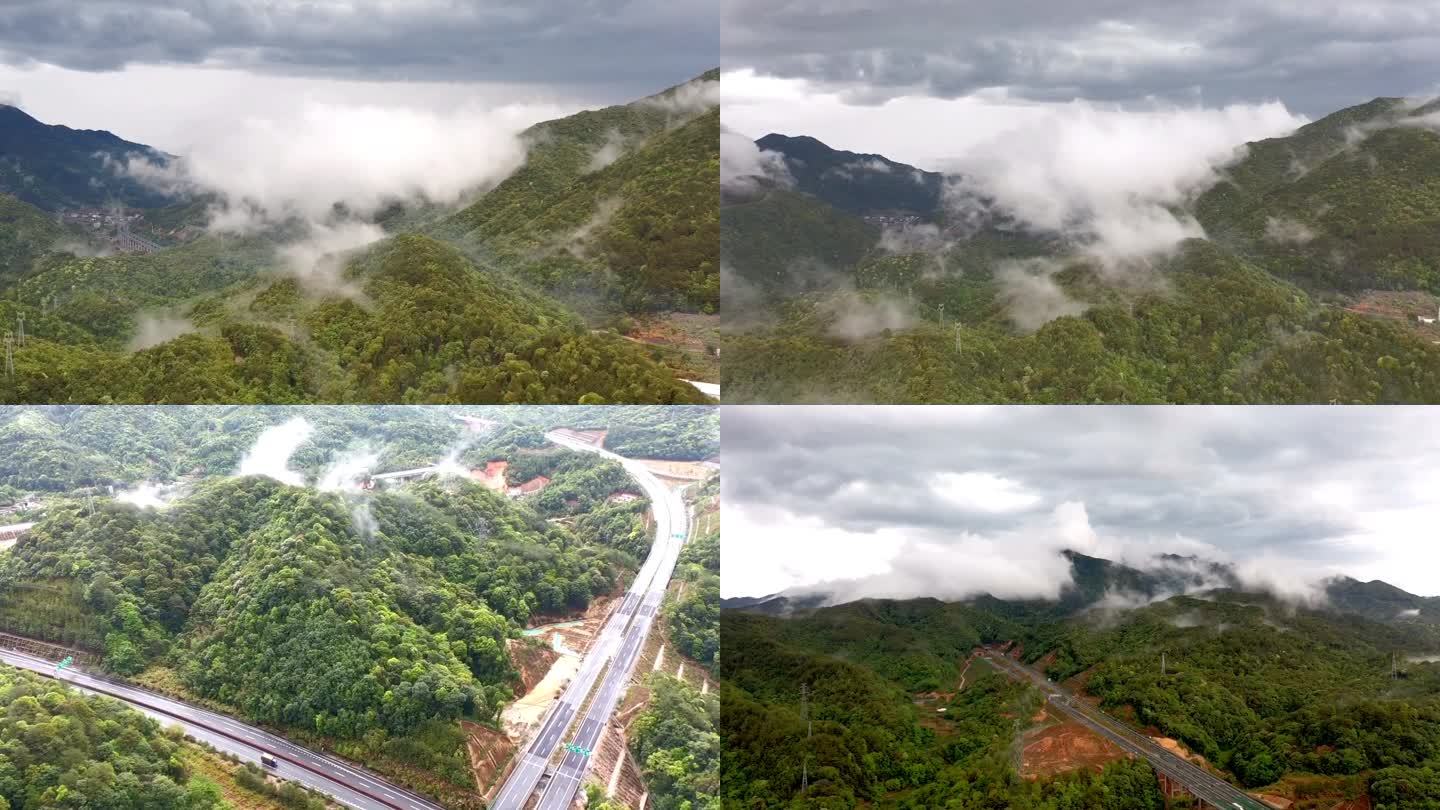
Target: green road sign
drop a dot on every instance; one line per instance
(576, 749)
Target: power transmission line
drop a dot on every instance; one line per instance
(805, 715)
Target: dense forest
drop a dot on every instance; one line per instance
(694, 616)
(1318, 259)
(1300, 702)
(428, 326)
(61, 748)
(368, 622)
(677, 745)
(408, 597)
(497, 302)
(868, 746)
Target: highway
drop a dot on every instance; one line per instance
(1210, 788)
(619, 644)
(345, 783)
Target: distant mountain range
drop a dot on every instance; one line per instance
(56, 167)
(1099, 583)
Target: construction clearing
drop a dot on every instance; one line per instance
(1056, 745)
(567, 642)
(679, 471)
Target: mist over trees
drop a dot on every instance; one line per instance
(1293, 271)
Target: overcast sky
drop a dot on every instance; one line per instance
(155, 70)
(920, 80)
(955, 501)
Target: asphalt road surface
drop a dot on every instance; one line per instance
(1208, 787)
(345, 783)
(619, 644)
(571, 774)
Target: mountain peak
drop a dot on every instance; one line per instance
(864, 184)
(14, 118)
(54, 167)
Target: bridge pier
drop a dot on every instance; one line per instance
(1171, 789)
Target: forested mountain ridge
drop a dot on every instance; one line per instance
(430, 326)
(612, 213)
(616, 204)
(787, 241)
(232, 541)
(1293, 701)
(1223, 331)
(1316, 264)
(55, 167)
(1346, 203)
(866, 742)
(1095, 582)
(26, 233)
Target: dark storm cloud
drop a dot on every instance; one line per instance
(1315, 55)
(1237, 479)
(639, 43)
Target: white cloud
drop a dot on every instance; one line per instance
(318, 259)
(152, 330)
(1281, 229)
(743, 164)
(1031, 296)
(855, 317)
(1292, 580)
(808, 551)
(146, 495)
(923, 132)
(960, 567)
(270, 455)
(180, 109)
(983, 492)
(268, 170)
(923, 237)
(1113, 179)
(348, 471)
